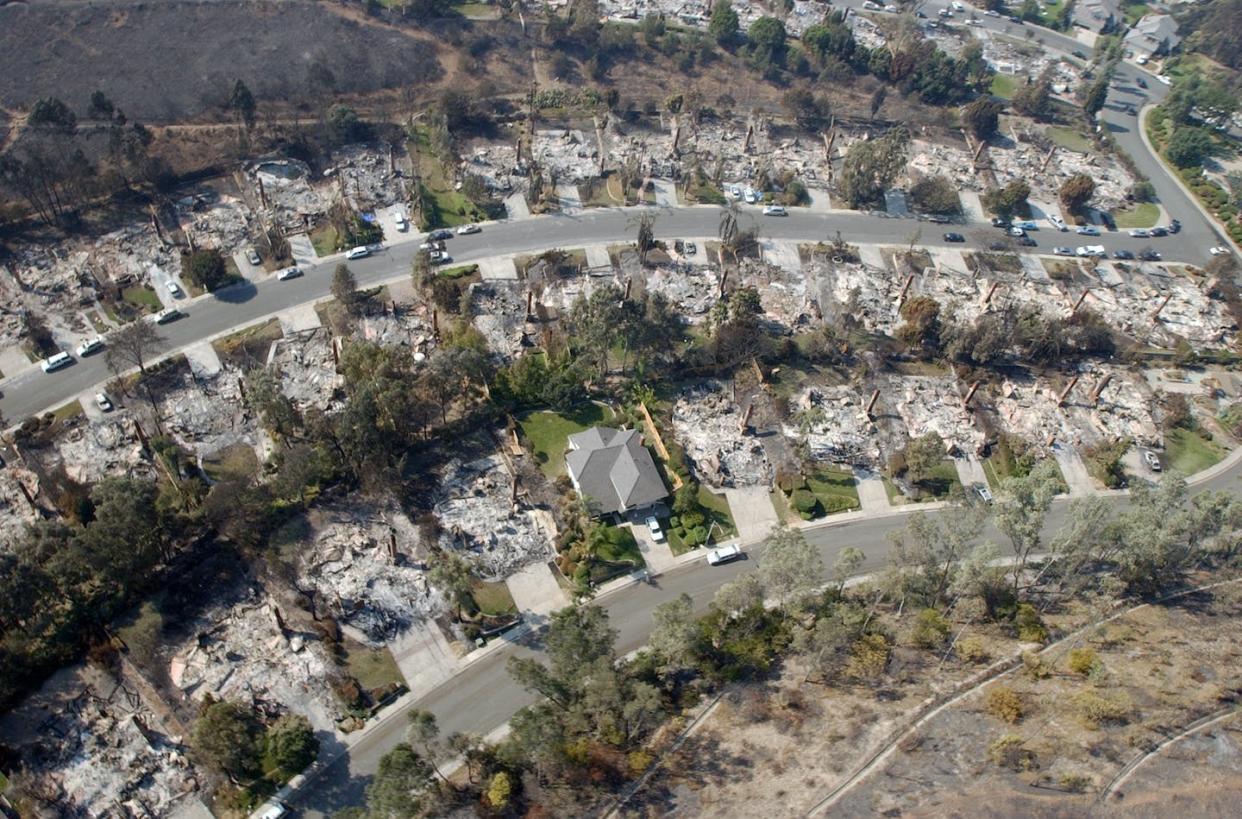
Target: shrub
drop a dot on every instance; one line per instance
(804, 501)
(1010, 752)
(1082, 660)
(930, 629)
(973, 649)
(1030, 626)
(1034, 666)
(1095, 709)
(1004, 703)
(868, 656)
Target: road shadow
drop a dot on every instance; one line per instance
(238, 293)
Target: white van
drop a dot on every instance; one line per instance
(724, 554)
(55, 362)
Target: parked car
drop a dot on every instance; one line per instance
(750, 197)
(1152, 460)
(1057, 222)
(360, 252)
(1140, 82)
(466, 230)
(90, 346)
(1165, 79)
(174, 288)
(1016, 231)
(1091, 250)
(1063, 251)
(983, 492)
(253, 257)
(440, 235)
(402, 224)
(271, 809)
(1140, 233)
(724, 554)
(1027, 241)
(1219, 250)
(1087, 230)
(431, 244)
(440, 257)
(167, 314)
(288, 273)
(1159, 231)
(691, 248)
(1122, 254)
(1001, 223)
(992, 13)
(1175, 226)
(775, 210)
(1149, 255)
(954, 237)
(103, 401)
(1026, 224)
(653, 526)
(54, 362)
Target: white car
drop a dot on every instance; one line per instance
(360, 252)
(724, 554)
(1016, 231)
(1057, 222)
(1141, 60)
(1140, 233)
(90, 346)
(1091, 250)
(1063, 251)
(55, 362)
(168, 314)
(175, 289)
(1087, 230)
(1165, 78)
(466, 230)
(775, 210)
(1219, 250)
(1152, 460)
(253, 257)
(750, 196)
(735, 192)
(402, 224)
(653, 526)
(992, 13)
(983, 492)
(288, 273)
(103, 401)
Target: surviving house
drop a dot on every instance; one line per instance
(1099, 16)
(1152, 36)
(613, 470)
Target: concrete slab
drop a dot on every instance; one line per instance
(1073, 469)
(301, 248)
(972, 206)
(970, 471)
(501, 268)
(13, 360)
(248, 271)
(871, 492)
(516, 207)
(782, 254)
(1034, 268)
(752, 511)
(535, 590)
(665, 192)
(949, 260)
(597, 256)
(296, 319)
(570, 198)
(659, 556)
(871, 256)
(388, 221)
(821, 200)
(424, 657)
(203, 359)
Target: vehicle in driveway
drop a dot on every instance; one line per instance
(1063, 251)
(54, 362)
(775, 210)
(90, 346)
(1087, 230)
(360, 252)
(253, 257)
(288, 273)
(983, 492)
(653, 526)
(1057, 222)
(1122, 254)
(1140, 233)
(954, 237)
(103, 402)
(168, 314)
(691, 248)
(174, 288)
(1219, 250)
(1152, 460)
(1091, 250)
(440, 257)
(724, 554)
(402, 224)
(466, 230)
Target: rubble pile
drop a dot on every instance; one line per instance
(404, 326)
(868, 293)
(206, 413)
(709, 426)
(15, 511)
(936, 159)
(290, 195)
(782, 293)
(569, 155)
(244, 652)
(692, 289)
(1029, 409)
(478, 515)
(222, 222)
(368, 178)
(798, 19)
(360, 558)
(498, 166)
(308, 371)
(92, 742)
(94, 450)
(1024, 161)
(499, 309)
(833, 422)
(932, 404)
(1128, 299)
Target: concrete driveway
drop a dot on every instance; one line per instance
(753, 512)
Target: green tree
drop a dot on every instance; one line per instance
(100, 106)
(1189, 146)
(1007, 201)
(291, 744)
(767, 42)
(206, 269)
(1097, 95)
(674, 635)
(724, 22)
(982, 116)
(52, 113)
(1020, 511)
(499, 791)
(226, 737)
(1035, 98)
(403, 787)
(920, 326)
(1076, 192)
(935, 194)
(791, 568)
(871, 166)
(345, 289)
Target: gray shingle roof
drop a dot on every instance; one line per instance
(613, 470)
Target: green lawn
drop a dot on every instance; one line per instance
(1070, 139)
(617, 554)
(548, 433)
(895, 496)
(373, 668)
(1004, 86)
(1141, 215)
(941, 483)
(459, 272)
(143, 298)
(325, 240)
(1189, 451)
(836, 489)
(718, 511)
(1134, 12)
(235, 462)
(69, 411)
(493, 598)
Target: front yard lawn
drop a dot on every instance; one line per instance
(493, 599)
(825, 491)
(548, 432)
(1142, 215)
(1189, 451)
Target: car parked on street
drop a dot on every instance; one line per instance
(1063, 251)
(168, 314)
(1016, 231)
(440, 235)
(1149, 255)
(954, 237)
(1219, 250)
(1159, 231)
(1140, 233)
(1091, 250)
(1123, 254)
(724, 554)
(775, 210)
(1027, 241)
(360, 252)
(90, 346)
(55, 362)
(1087, 230)
(288, 273)
(466, 230)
